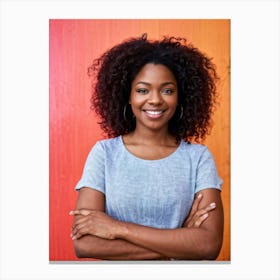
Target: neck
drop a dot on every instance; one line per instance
(152, 138)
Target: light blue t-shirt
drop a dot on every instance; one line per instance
(156, 193)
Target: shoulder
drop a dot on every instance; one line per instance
(196, 152)
(106, 146)
(194, 149)
(103, 149)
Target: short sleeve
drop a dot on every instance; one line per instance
(93, 172)
(207, 174)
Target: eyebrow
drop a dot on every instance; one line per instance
(163, 84)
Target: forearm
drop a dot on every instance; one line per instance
(94, 247)
(98, 235)
(188, 243)
(183, 243)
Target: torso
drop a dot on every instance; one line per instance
(151, 192)
(152, 186)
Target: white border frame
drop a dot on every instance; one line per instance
(254, 142)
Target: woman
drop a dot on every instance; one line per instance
(148, 192)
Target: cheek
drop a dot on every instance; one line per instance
(172, 102)
(135, 105)
(136, 101)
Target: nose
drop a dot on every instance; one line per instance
(155, 98)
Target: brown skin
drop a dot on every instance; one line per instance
(91, 225)
(153, 99)
(154, 89)
(91, 246)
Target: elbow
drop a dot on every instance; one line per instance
(210, 250)
(80, 249)
(79, 253)
(211, 253)
(203, 250)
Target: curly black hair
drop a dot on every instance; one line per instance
(195, 74)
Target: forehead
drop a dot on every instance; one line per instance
(155, 72)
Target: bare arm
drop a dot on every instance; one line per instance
(90, 246)
(183, 243)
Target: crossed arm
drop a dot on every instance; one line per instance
(96, 235)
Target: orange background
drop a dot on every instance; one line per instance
(73, 126)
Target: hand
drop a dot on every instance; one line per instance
(93, 222)
(197, 217)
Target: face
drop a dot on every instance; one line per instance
(154, 97)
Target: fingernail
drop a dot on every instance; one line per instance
(199, 196)
(213, 204)
(74, 237)
(71, 213)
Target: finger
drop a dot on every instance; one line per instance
(204, 210)
(74, 212)
(210, 207)
(207, 209)
(200, 220)
(79, 231)
(76, 225)
(190, 223)
(195, 206)
(83, 212)
(196, 202)
(192, 220)
(80, 220)
(77, 235)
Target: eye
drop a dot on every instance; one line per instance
(142, 90)
(167, 91)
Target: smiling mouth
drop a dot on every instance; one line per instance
(154, 113)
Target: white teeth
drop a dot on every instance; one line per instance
(154, 112)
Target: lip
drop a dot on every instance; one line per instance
(154, 114)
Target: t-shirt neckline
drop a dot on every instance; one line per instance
(149, 160)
